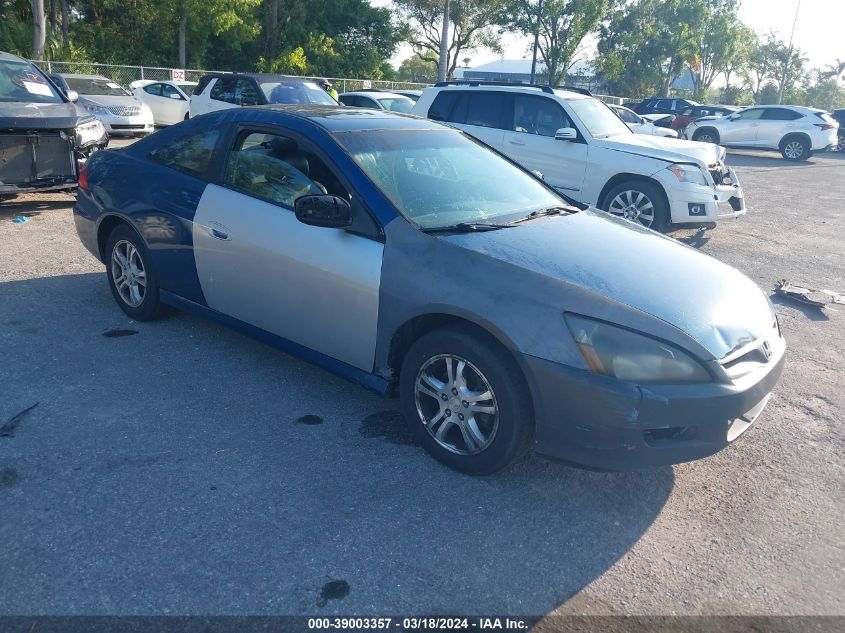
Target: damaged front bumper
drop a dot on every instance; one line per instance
(46, 160)
(608, 424)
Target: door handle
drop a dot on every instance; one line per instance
(512, 142)
(218, 231)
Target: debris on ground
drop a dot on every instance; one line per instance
(811, 296)
(8, 429)
(21, 219)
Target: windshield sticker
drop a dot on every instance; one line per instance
(38, 88)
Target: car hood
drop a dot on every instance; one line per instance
(39, 116)
(107, 100)
(627, 264)
(666, 149)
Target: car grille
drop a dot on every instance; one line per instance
(124, 110)
(721, 175)
(752, 356)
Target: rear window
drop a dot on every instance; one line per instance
(296, 92)
(824, 116)
(191, 152)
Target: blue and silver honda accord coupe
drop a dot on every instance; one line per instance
(410, 258)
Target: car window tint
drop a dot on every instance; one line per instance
(664, 104)
(192, 152)
(223, 90)
(167, 90)
(688, 112)
(246, 93)
(750, 115)
(487, 109)
(272, 168)
(538, 115)
(442, 105)
(781, 114)
(153, 89)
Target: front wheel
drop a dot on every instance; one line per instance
(466, 401)
(638, 201)
(795, 148)
(132, 280)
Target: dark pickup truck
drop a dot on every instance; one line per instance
(44, 138)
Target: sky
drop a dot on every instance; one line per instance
(818, 32)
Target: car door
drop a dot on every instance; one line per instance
(317, 287)
(173, 104)
(775, 124)
(482, 114)
(530, 140)
(741, 128)
(151, 95)
(221, 95)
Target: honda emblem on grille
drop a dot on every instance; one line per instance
(767, 350)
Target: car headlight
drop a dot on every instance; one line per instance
(89, 132)
(688, 173)
(614, 351)
(95, 109)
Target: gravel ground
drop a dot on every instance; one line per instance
(180, 468)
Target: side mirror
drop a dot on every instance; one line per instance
(566, 134)
(323, 210)
(72, 96)
(174, 95)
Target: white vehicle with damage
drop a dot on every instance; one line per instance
(586, 152)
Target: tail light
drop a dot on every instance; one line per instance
(83, 177)
(826, 126)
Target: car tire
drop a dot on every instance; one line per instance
(706, 135)
(482, 435)
(187, 116)
(136, 289)
(795, 148)
(840, 142)
(633, 199)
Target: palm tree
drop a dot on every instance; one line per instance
(834, 72)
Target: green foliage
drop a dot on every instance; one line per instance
(422, 69)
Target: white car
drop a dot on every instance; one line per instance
(795, 131)
(586, 152)
(168, 100)
(377, 99)
(119, 111)
(645, 124)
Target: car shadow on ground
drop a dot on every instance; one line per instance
(14, 207)
(183, 468)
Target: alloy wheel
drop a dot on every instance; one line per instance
(794, 149)
(128, 273)
(456, 404)
(633, 205)
(840, 144)
(705, 138)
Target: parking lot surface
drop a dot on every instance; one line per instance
(177, 467)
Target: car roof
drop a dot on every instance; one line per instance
(375, 94)
(80, 76)
(331, 118)
(558, 92)
(261, 77)
(9, 57)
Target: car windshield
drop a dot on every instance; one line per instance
(99, 86)
(440, 178)
(599, 120)
(296, 92)
(397, 104)
(20, 81)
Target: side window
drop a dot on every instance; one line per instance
(538, 115)
(688, 112)
(192, 152)
(750, 115)
(246, 93)
(223, 90)
(367, 102)
(274, 168)
(442, 105)
(487, 109)
(780, 114)
(664, 104)
(348, 100)
(200, 87)
(167, 91)
(153, 89)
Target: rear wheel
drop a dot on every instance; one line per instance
(466, 401)
(706, 135)
(638, 201)
(795, 148)
(132, 280)
(840, 142)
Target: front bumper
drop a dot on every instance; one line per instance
(608, 424)
(141, 124)
(693, 204)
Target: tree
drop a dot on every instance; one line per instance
(474, 24)
(644, 46)
(39, 29)
(419, 69)
(721, 41)
(561, 26)
(773, 63)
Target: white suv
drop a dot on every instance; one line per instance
(795, 131)
(585, 151)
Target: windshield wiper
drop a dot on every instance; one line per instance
(544, 212)
(467, 227)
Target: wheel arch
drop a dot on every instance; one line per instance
(710, 129)
(109, 223)
(618, 179)
(802, 135)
